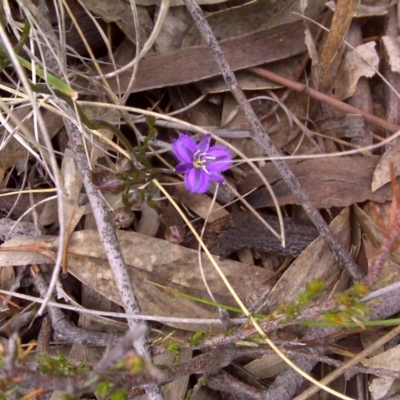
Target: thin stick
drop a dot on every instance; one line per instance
(262, 139)
(111, 246)
(324, 98)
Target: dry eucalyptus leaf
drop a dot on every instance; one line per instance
(389, 359)
(205, 393)
(252, 16)
(384, 388)
(373, 238)
(149, 221)
(12, 153)
(233, 115)
(120, 12)
(249, 81)
(332, 51)
(363, 61)
(374, 233)
(7, 278)
(316, 262)
(196, 63)
(95, 301)
(96, 146)
(327, 182)
(198, 203)
(266, 366)
(174, 29)
(174, 3)
(369, 337)
(72, 180)
(363, 10)
(10, 229)
(203, 113)
(24, 202)
(392, 49)
(382, 170)
(149, 260)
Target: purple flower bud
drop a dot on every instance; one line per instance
(175, 234)
(113, 185)
(123, 218)
(200, 163)
(123, 166)
(107, 182)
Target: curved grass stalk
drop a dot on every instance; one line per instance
(241, 304)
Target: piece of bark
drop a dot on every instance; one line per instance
(192, 64)
(330, 182)
(242, 229)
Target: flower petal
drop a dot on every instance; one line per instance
(218, 159)
(197, 181)
(216, 177)
(183, 168)
(204, 143)
(184, 148)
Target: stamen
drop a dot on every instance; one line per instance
(198, 163)
(199, 159)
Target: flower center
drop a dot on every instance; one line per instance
(199, 159)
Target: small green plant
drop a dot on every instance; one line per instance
(312, 291)
(173, 348)
(105, 391)
(8, 388)
(60, 365)
(196, 339)
(132, 363)
(349, 310)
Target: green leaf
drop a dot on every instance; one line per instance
(119, 395)
(50, 79)
(103, 389)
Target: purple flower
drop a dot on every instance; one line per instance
(199, 162)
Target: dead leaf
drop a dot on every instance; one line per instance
(363, 61)
(384, 388)
(266, 366)
(331, 52)
(18, 229)
(364, 10)
(196, 63)
(327, 182)
(392, 50)
(173, 3)
(7, 278)
(389, 359)
(316, 262)
(243, 229)
(13, 154)
(72, 180)
(373, 239)
(149, 260)
(198, 203)
(120, 13)
(149, 221)
(382, 170)
(250, 17)
(174, 29)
